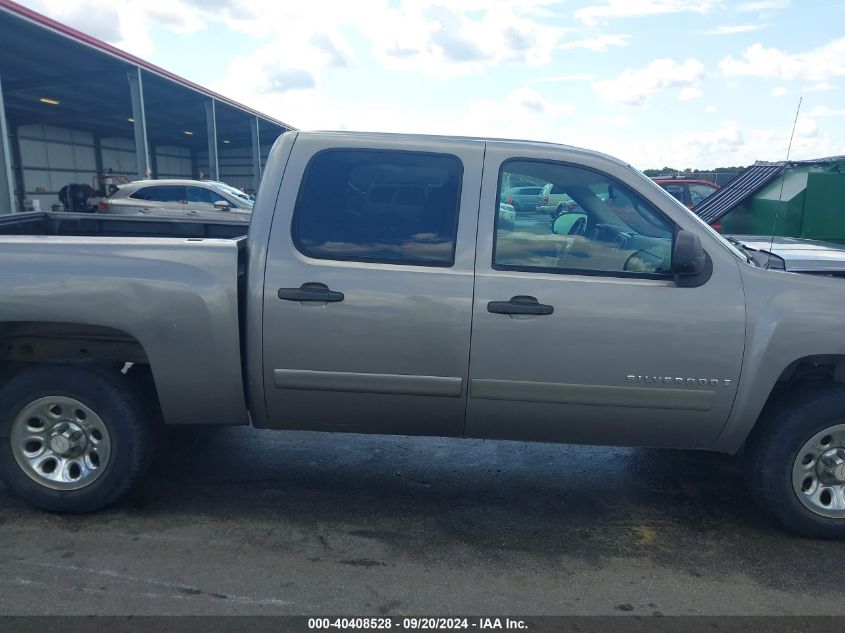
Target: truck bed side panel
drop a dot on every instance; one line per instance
(176, 297)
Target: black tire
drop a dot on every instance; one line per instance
(773, 447)
(107, 393)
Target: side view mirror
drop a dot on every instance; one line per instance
(222, 205)
(688, 256)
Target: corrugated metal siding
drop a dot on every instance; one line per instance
(173, 161)
(119, 156)
(52, 157)
(717, 205)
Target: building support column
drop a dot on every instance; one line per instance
(142, 150)
(7, 182)
(154, 162)
(256, 152)
(211, 121)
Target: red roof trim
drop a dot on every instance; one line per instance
(71, 33)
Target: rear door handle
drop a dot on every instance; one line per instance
(310, 291)
(520, 304)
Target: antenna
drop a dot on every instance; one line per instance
(782, 180)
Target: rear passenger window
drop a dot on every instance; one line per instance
(379, 206)
(160, 193)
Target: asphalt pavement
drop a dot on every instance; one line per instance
(263, 522)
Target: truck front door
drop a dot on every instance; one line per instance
(368, 286)
(580, 333)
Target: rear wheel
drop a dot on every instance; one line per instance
(73, 438)
(797, 465)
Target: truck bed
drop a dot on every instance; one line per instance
(94, 224)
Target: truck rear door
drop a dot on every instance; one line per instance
(368, 285)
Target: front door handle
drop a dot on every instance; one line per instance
(520, 304)
(310, 291)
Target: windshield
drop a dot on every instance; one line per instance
(240, 195)
(733, 249)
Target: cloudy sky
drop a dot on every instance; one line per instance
(687, 83)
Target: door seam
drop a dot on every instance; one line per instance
(474, 278)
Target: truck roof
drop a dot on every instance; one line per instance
(515, 143)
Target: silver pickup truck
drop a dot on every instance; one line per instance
(377, 292)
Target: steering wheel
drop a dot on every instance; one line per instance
(579, 227)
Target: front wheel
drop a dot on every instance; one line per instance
(797, 462)
(73, 438)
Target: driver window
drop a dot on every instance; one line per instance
(584, 222)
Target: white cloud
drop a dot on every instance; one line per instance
(818, 64)
(822, 86)
(722, 145)
(732, 144)
(524, 113)
(825, 111)
(292, 64)
(447, 41)
(618, 120)
(463, 37)
(710, 109)
(633, 86)
(807, 127)
(120, 23)
(689, 93)
(779, 91)
(599, 44)
(280, 79)
(734, 28)
(609, 9)
(564, 78)
(761, 5)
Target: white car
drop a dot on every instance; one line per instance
(196, 199)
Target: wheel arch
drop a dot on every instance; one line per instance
(802, 373)
(26, 343)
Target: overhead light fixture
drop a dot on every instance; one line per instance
(50, 101)
(131, 120)
(227, 142)
(189, 133)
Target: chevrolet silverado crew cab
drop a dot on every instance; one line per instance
(376, 292)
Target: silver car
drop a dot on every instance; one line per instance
(793, 254)
(198, 199)
(523, 199)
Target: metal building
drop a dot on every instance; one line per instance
(799, 198)
(74, 109)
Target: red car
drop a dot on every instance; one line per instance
(690, 191)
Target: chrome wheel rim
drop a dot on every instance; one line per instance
(60, 443)
(818, 473)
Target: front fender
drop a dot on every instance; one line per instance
(789, 316)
